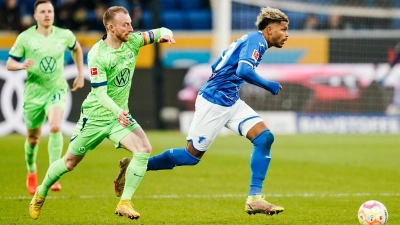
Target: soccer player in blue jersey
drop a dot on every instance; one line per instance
(218, 105)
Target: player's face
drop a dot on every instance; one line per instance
(44, 14)
(278, 34)
(123, 26)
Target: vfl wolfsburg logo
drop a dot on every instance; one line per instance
(123, 78)
(48, 64)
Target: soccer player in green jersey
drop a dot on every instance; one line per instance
(105, 113)
(42, 47)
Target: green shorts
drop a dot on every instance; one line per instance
(35, 112)
(90, 133)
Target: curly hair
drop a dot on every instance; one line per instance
(270, 15)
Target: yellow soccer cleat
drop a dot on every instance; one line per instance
(257, 204)
(125, 208)
(36, 205)
(119, 182)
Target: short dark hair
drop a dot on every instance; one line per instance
(38, 2)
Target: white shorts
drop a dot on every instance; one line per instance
(210, 118)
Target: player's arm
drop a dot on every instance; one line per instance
(77, 56)
(108, 103)
(12, 64)
(16, 54)
(247, 73)
(160, 35)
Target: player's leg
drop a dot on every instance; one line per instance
(31, 149)
(134, 139)
(56, 141)
(54, 111)
(207, 122)
(248, 123)
(34, 117)
(82, 141)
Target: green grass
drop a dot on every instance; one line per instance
(319, 179)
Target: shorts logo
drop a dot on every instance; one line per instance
(81, 149)
(201, 139)
(255, 55)
(93, 72)
(48, 64)
(123, 78)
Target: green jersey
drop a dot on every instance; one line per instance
(114, 69)
(47, 53)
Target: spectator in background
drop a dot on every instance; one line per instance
(136, 14)
(80, 21)
(334, 22)
(64, 14)
(96, 23)
(311, 23)
(10, 16)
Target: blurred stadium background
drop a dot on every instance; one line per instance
(331, 68)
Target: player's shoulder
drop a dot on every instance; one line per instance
(136, 35)
(62, 31)
(28, 32)
(98, 51)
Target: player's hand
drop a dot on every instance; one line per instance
(27, 63)
(79, 82)
(123, 119)
(166, 38)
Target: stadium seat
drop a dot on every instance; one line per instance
(396, 23)
(169, 5)
(191, 4)
(199, 20)
(147, 22)
(296, 19)
(173, 20)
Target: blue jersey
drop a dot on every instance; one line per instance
(223, 87)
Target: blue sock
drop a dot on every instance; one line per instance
(259, 161)
(171, 158)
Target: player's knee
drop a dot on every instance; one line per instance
(264, 138)
(54, 128)
(33, 140)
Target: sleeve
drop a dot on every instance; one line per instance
(106, 101)
(97, 70)
(148, 37)
(71, 41)
(17, 51)
(251, 51)
(247, 73)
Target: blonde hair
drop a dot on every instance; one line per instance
(270, 15)
(110, 13)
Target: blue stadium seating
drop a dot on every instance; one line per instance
(173, 19)
(199, 20)
(169, 5)
(296, 19)
(191, 4)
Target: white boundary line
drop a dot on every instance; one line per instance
(177, 196)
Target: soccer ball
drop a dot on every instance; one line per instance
(372, 212)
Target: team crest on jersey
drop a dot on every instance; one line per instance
(59, 47)
(94, 72)
(255, 55)
(129, 55)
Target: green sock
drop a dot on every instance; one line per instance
(30, 156)
(134, 174)
(54, 173)
(55, 146)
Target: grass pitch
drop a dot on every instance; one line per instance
(319, 179)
